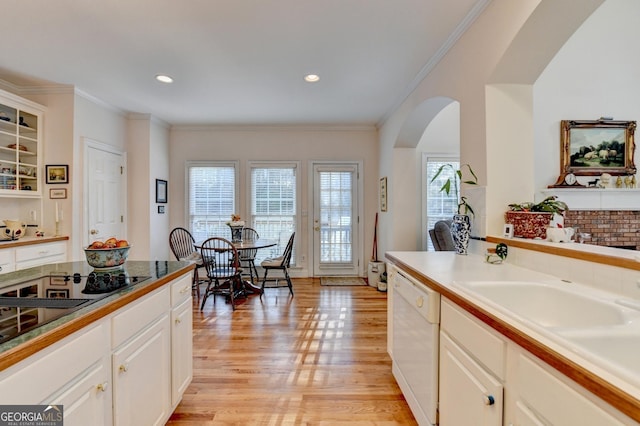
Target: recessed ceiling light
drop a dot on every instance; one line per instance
(164, 78)
(311, 78)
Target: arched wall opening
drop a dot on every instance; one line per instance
(434, 128)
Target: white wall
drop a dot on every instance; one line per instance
(159, 169)
(595, 74)
(275, 143)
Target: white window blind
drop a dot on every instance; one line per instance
(274, 205)
(440, 206)
(212, 199)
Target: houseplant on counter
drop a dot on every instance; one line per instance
(530, 220)
(460, 228)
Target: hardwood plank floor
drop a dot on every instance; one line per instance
(318, 358)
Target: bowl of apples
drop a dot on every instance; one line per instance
(110, 254)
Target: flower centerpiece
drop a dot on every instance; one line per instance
(237, 225)
(530, 220)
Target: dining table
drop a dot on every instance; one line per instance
(254, 244)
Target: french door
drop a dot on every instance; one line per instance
(336, 241)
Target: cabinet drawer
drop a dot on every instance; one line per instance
(556, 402)
(475, 337)
(7, 264)
(135, 318)
(37, 377)
(181, 290)
(40, 251)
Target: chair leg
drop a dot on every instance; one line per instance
(207, 292)
(286, 275)
(264, 280)
(195, 285)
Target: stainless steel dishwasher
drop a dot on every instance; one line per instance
(416, 319)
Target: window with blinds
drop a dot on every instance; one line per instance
(440, 206)
(212, 198)
(274, 205)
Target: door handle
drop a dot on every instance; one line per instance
(93, 232)
(316, 228)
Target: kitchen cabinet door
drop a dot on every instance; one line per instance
(141, 372)
(181, 349)
(88, 401)
(468, 394)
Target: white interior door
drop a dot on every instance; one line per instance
(105, 193)
(336, 242)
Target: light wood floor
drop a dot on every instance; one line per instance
(318, 358)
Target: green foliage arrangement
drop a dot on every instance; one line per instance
(454, 185)
(550, 204)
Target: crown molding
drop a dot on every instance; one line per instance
(275, 127)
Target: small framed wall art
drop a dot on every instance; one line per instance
(161, 191)
(383, 194)
(57, 173)
(57, 193)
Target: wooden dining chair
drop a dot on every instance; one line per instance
(248, 256)
(222, 264)
(182, 246)
(279, 263)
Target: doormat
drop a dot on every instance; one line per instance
(342, 281)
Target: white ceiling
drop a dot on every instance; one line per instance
(233, 61)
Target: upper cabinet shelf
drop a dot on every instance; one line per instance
(20, 147)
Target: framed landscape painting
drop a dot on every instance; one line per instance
(593, 147)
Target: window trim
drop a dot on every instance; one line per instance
(210, 163)
(278, 164)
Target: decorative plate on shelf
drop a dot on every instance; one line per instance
(14, 146)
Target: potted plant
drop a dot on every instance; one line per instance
(460, 228)
(455, 184)
(530, 220)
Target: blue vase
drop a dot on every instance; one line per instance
(461, 231)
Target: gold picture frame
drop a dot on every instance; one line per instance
(383, 194)
(594, 147)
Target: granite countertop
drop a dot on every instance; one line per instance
(441, 270)
(23, 345)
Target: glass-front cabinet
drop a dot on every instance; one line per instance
(20, 147)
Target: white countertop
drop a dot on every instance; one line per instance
(440, 270)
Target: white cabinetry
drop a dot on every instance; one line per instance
(7, 260)
(468, 352)
(40, 254)
(20, 146)
(28, 256)
(545, 397)
(72, 372)
(141, 361)
(142, 377)
(181, 338)
(129, 368)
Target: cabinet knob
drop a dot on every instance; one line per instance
(489, 400)
(419, 301)
(185, 289)
(93, 231)
(103, 386)
(123, 368)
(178, 320)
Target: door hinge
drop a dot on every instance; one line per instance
(121, 170)
(121, 219)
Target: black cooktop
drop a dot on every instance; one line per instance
(25, 307)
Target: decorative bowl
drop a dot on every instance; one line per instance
(108, 258)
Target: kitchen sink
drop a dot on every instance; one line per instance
(549, 305)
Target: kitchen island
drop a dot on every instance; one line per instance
(120, 350)
(504, 366)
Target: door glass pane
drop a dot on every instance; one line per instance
(336, 218)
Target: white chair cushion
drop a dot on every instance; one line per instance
(277, 261)
(193, 257)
